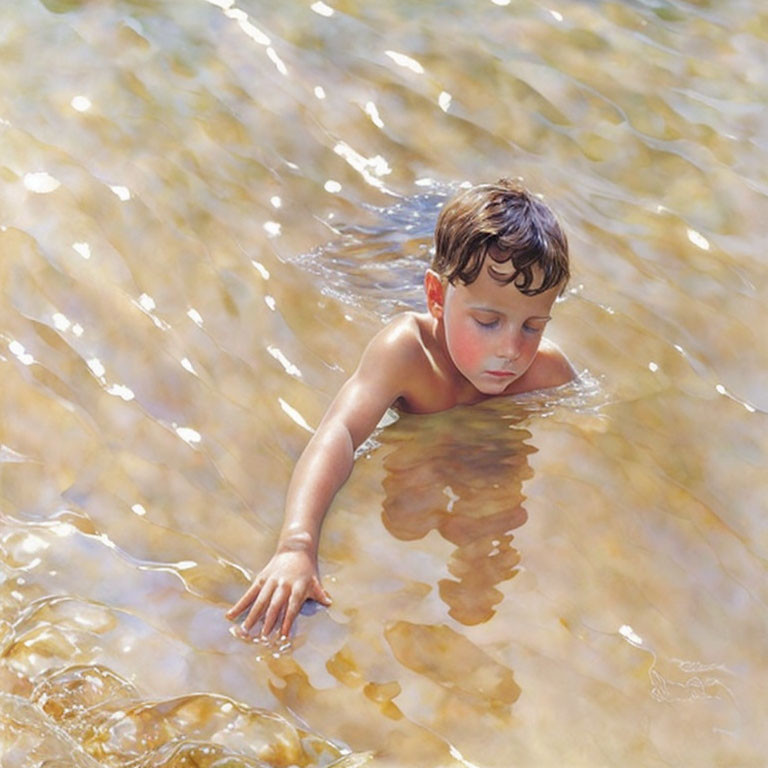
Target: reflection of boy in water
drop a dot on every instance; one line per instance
(501, 259)
(468, 487)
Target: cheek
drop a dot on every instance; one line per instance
(529, 346)
(466, 346)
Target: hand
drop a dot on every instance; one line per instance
(283, 585)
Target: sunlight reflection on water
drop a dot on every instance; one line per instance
(206, 209)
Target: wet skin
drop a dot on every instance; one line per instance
(475, 341)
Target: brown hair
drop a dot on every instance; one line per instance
(505, 215)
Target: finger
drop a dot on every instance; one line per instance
(295, 602)
(246, 599)
(259, 605)
(277, 604)
(318, 593)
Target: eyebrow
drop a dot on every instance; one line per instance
(480, 308)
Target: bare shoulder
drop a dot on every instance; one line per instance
(382, 377)
(401, 360)
(395, 351)
(399, 340)
(550, 368)
(402, 331)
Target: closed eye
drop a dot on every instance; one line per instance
(488, 324)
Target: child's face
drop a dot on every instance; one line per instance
(492, 331)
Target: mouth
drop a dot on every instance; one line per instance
(501, 374)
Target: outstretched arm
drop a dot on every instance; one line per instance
(291, 576)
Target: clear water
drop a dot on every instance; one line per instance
(206, 209)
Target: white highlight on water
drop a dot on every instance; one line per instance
(122, 192)
(17, 348)
(698, 239)
(9, 456)
(372, 111)
(322, 9)
(294, 415)
(41, 182)
(277, 61)
(96, 366)
(83, 249)
(452, 498)
(63, 529)
(189, 435)
(368, 167)
(33, 544)
(261, 269)
(630, 635)
(405, 61)
(120, 390)
(241, 17)
(456, 755)
(81, 103)
(289, 367)
(60, 322)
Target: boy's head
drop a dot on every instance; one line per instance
(516, 231)
(487, 238)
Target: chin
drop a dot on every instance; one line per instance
(491, 388)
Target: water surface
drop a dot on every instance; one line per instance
(206, 209)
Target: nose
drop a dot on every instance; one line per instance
(510, 346)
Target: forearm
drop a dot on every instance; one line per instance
(322, 469)
(291, 576)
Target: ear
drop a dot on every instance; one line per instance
(435, 291)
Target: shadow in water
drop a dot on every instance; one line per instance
(461, 476)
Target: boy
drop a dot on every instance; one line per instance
(500, 261)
